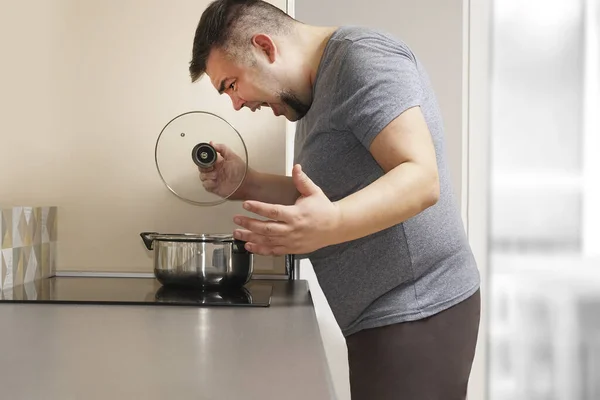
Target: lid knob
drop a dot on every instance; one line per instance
(204, 155)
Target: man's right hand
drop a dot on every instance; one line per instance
(225, 175)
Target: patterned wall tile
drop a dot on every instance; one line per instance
(31, 272)
(28, 247)
(3, 266)
(37, 255)
(18, 261)
(17, 240)
(53, 224)
(1, 256)
(28, 227)
(6, 229)
(53, 257)
(45, 259)
(37, 230)
(7, 268)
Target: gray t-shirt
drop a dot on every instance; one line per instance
(411, 270)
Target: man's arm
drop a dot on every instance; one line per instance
(264, 187)
(269, 188)
(405, 151)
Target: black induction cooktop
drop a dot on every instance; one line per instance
(133, 291)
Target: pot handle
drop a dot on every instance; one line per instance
(238, 247)
(148, 238)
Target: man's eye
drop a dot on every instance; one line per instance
(232, 86)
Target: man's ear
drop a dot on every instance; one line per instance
(265, 45)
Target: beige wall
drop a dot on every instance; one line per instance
(88, 87)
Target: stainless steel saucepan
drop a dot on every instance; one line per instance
(200, 260)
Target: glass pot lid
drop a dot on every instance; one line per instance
(186, 145)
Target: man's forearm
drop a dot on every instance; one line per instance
(270, 188)
(397, 196)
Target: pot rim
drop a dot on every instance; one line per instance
(224, 238)
(192, 237)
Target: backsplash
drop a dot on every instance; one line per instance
(28, 239)
(111, 75)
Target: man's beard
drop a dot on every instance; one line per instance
(290, 99)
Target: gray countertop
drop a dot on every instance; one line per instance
(89, 352)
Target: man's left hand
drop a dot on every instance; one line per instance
(311, 223)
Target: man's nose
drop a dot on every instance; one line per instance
(237, 103)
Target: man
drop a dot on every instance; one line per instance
(369, 201)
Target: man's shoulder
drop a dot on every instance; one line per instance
(352, 34)
(358, 44)
(355, 33)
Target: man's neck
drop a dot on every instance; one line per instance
(312, 41)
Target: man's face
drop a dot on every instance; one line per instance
(253, 85)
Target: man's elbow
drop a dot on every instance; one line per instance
(431, 189)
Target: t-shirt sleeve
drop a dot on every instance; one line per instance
(376, 83)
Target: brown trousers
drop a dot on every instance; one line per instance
(428, 359)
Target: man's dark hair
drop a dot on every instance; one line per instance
(229, 25)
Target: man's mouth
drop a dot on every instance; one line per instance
(258, 106)
(272, 107)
